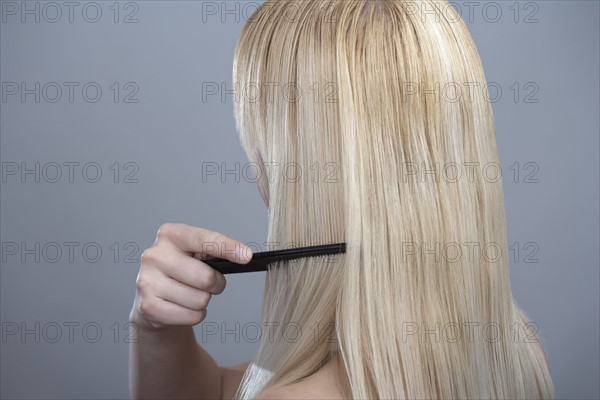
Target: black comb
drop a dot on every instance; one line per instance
(261, 260)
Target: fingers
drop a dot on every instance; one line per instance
(174, 286)
(206, 243)
(162, 312)
(187, 270)
(165, 301)
(183, 295)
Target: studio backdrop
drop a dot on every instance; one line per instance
(117, 117)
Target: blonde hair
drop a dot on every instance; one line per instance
(364, 100)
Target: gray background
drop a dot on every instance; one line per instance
(175, 47)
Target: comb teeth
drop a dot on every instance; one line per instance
(261, 260)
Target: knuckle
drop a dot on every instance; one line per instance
(147, 308)
(154, 258)
(165, 230)
(145, 283)
(211, 237)
(209, 241)
(148, 256)
(141, 283)
(203, 242)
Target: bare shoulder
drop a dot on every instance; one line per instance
(304, 390)
(320, 385)
(232, 377)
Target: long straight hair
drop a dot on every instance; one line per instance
(369, 122)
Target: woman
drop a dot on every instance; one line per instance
(380, 106)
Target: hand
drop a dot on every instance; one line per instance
(174, 286)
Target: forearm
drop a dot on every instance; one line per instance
(168, 363)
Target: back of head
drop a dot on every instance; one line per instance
(370, 124)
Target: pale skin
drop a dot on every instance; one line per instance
(173, 290)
